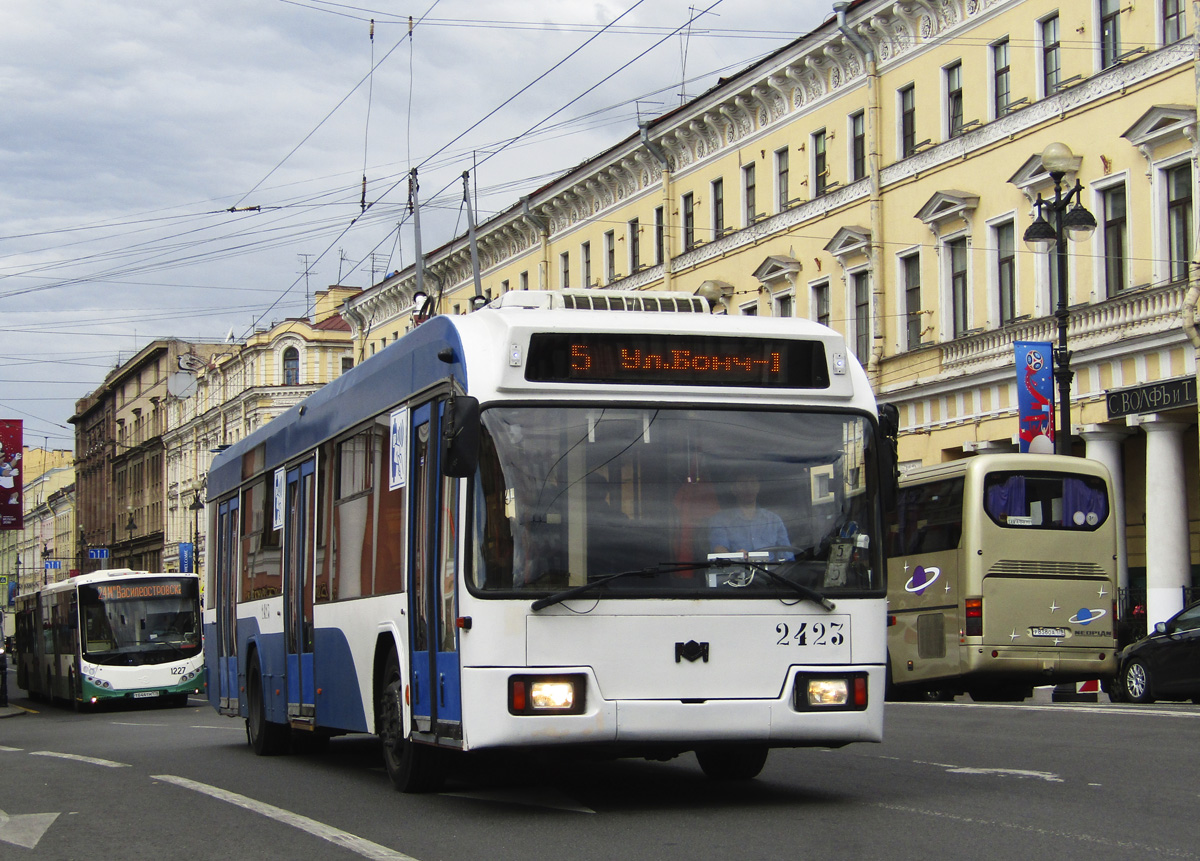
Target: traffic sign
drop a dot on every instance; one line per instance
(53, 564)
(98, 553)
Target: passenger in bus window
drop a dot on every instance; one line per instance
(745, 525)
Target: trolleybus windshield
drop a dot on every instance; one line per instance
(697, 502)
(142, 621)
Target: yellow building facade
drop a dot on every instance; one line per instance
(878, 176)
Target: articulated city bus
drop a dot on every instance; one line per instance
(110, 636)
(1002, 576)
(511, 530)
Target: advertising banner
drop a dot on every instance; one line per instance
(1035, 395)
(12, 444)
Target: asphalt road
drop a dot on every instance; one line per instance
(952, 780)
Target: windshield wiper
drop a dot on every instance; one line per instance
(557, 597)
(806, 591)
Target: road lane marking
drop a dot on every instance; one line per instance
(4, 749)
(1107, 710)
(1134, 848)
(107, 763)
(346, 840)
(24, 830)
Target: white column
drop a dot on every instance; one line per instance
(1104, 445)
(1168, 561)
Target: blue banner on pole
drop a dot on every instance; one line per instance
(1035, 395)
(186, 557)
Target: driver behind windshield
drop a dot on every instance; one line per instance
(745, 526)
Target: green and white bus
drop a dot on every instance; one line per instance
(110, 636)
(1001, 577)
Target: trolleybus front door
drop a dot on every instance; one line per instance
(297, 590)
(436, 703)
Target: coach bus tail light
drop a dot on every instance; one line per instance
(974, 608)
(546, 695)
(830, 692)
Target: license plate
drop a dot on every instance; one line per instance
(1047, 632)
(141, 695)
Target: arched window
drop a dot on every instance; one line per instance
(291, 367)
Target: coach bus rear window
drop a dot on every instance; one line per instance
(1045, 500)
(566, 496)
(149, 621)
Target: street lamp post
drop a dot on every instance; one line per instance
(131, 526)
(196, 507)
(1041, 236)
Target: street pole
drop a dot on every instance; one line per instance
(1041, 236)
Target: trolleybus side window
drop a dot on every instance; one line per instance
(389, 553)
(1033, 500)
(354, 516)
(260, 544)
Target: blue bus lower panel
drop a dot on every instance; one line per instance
(338, 703)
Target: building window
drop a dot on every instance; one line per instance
(862, 315)
(1006, 270)
(751, 212)
(718, 208)
(908, 121)
(912, 299)
(782, 193)
(610, 256)
(1051, 56)
(504, 286)
(1115, 238)
(564, 270)
(659, 230)
(749, 310)
(291, 367)
(635, 246)
(1002, 91)
(785, 305)
(820, 302)
(1174, 21)
(858, 146)
(1110, 32)
(585, 262)
(347, 363)
(954, 100)
(820, 166)
(689, 223)
(1179, 219)
(958, 283)
(524, 281)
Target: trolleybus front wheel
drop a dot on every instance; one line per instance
(267, 739)
(732, 761)
(412, 767)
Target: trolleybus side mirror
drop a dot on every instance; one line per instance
(889, 427)
(460, 437)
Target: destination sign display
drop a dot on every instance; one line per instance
(681, 360)
(131, 591)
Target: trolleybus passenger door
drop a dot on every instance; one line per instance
(297, 589)
(225, 674)
(437, 706)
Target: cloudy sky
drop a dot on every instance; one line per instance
(171, 169)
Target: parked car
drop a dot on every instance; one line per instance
(1166, 664)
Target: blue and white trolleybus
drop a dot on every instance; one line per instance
(595, 520)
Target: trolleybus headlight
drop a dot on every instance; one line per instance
(830, 692)
(546, 695)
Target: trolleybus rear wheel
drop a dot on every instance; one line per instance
(732, 761)
(267, 739)
(412, 767)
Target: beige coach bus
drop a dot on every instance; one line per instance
(1001, 577)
